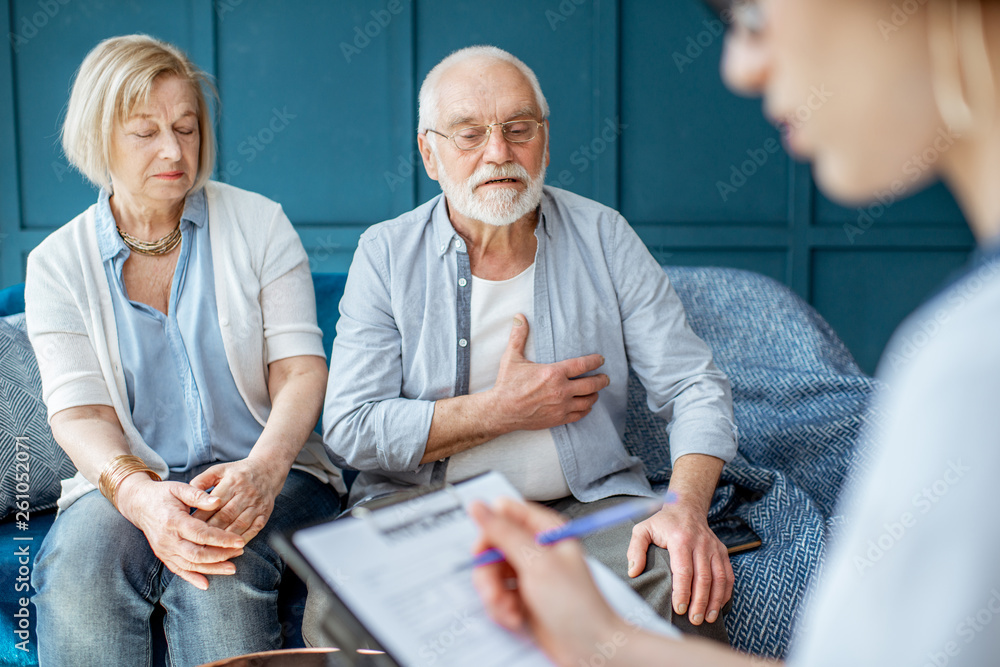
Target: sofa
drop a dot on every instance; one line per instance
(802, 406)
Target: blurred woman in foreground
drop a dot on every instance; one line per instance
(901, 85)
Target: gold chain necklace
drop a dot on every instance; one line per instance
(154, 248)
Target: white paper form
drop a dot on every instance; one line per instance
(400, 571)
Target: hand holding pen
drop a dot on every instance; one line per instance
(587, 525)
(546, 593)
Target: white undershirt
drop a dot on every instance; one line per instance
(527, 458)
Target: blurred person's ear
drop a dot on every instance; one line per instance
(962, 66)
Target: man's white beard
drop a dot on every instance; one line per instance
(500, 206)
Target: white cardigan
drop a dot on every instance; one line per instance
(265, 299)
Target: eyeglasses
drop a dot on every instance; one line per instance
(514, 131)
(745, 14)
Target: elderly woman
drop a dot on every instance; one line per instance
(175, 327)
(904, 82)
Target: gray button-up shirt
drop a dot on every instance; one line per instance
(402, 344)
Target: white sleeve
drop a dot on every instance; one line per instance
(67, 361)
(915, 580)
(287, 298)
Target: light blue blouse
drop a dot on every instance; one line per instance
(181, 392)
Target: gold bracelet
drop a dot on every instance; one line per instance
(116, 471)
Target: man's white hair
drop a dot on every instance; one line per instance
(428, 112)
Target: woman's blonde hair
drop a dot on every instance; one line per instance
(114, 78)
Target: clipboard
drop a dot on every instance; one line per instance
(340, 628)
(394, 517)
(396, 579)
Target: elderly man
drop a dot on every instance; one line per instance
(493, 327)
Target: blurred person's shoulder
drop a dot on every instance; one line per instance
(957, 326)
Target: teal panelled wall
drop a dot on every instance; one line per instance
(318, 108)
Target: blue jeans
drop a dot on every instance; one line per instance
(97, 582)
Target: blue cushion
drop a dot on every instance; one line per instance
(329, 289)
(802, 405)
(19, 539)
(12, 300)
(31, 463)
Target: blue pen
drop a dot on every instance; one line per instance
(593, 523)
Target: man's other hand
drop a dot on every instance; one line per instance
(699, 562)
